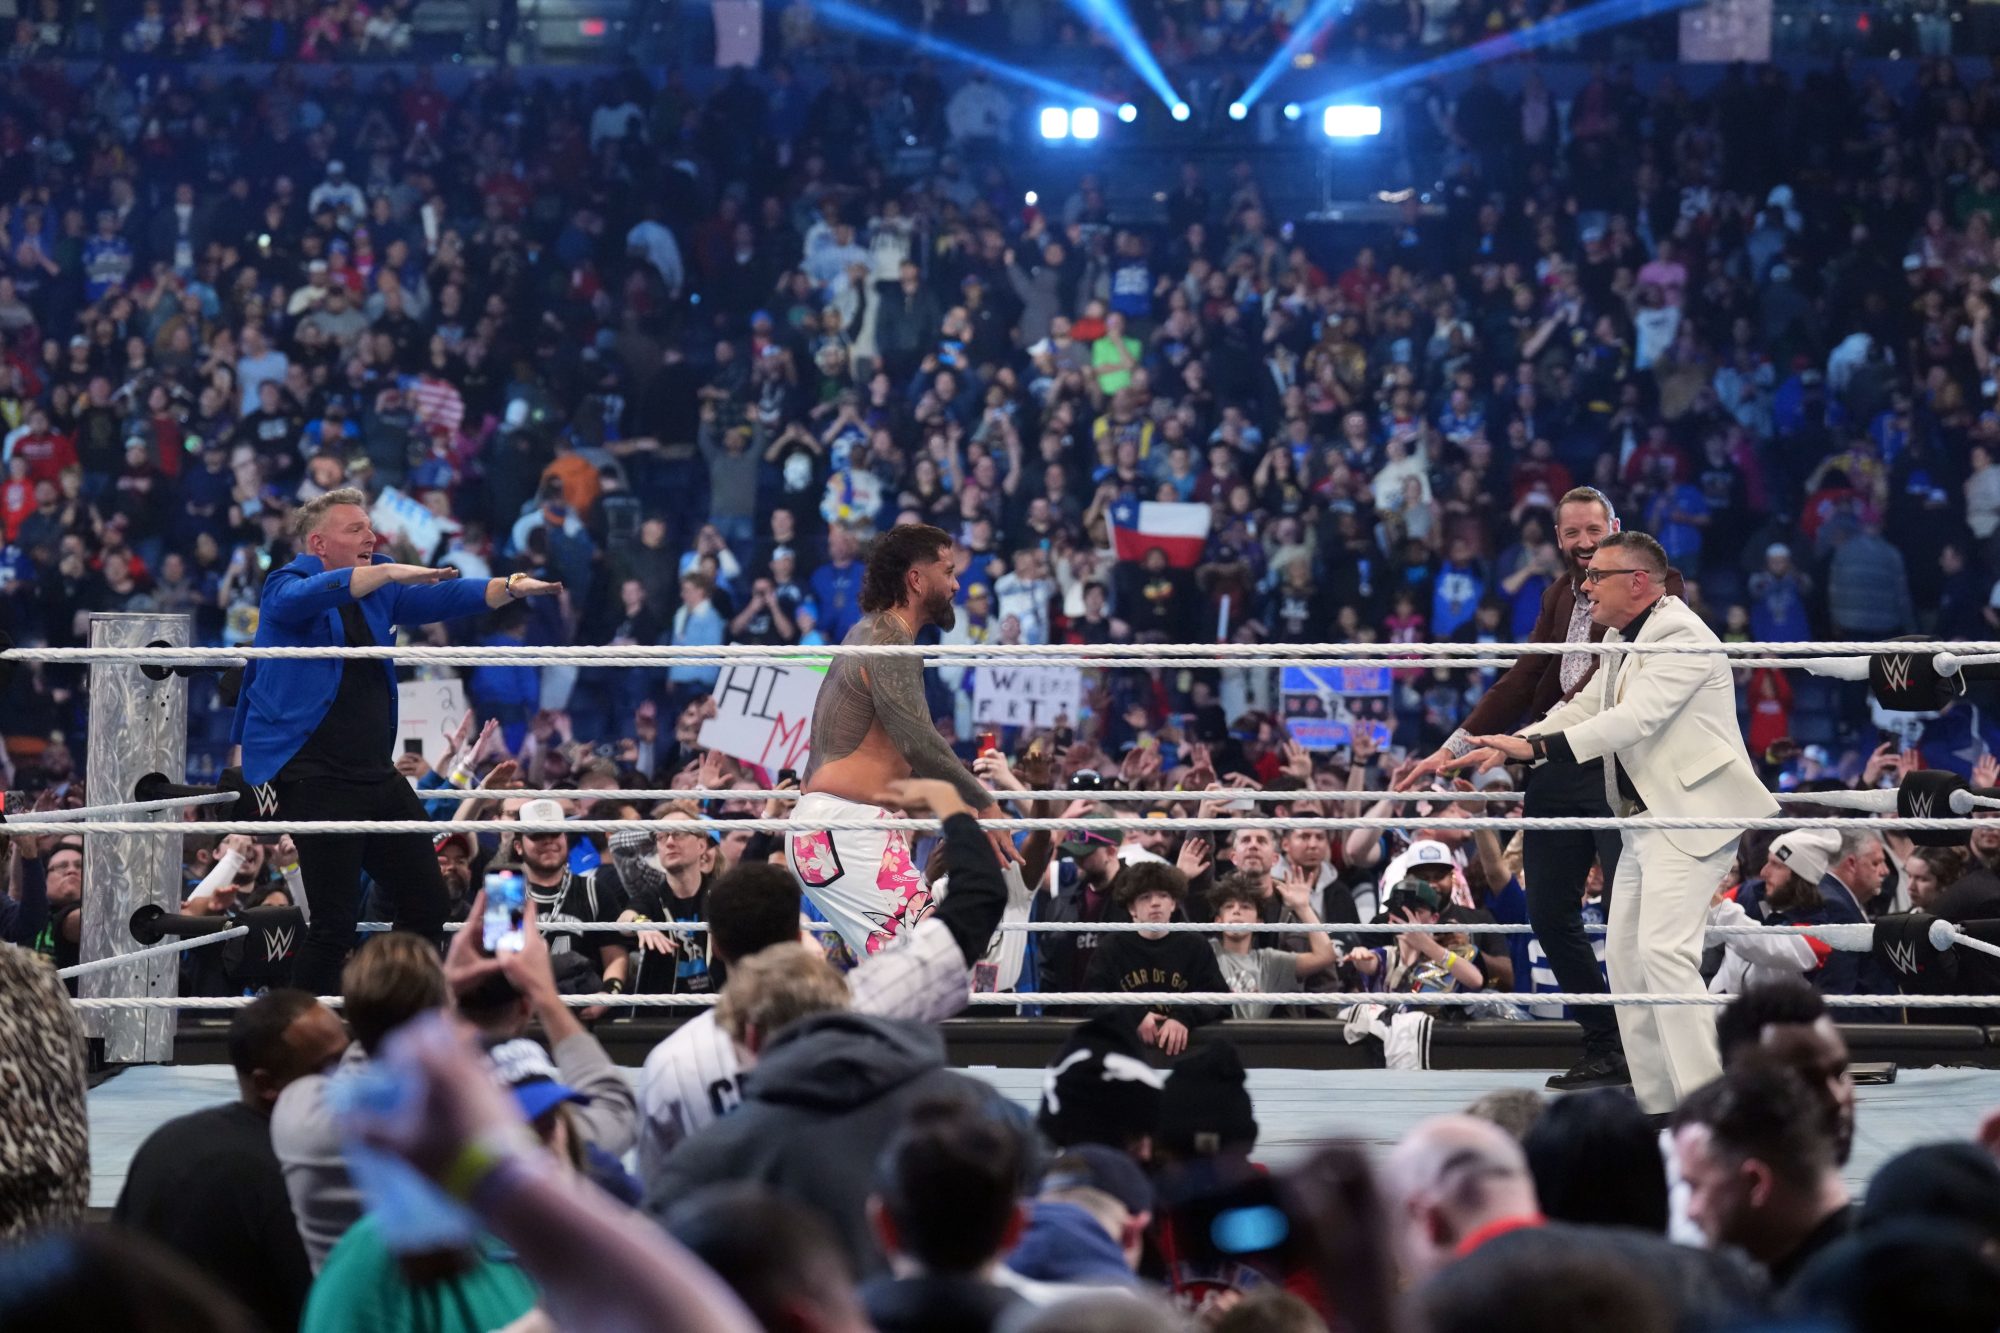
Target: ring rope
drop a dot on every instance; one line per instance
(85, 813)
(1071, 794)
(171, 946)
(1859, 931)
(1291, 654)
(1158, 999)
(1107, 824)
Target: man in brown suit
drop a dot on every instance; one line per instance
(1556, 863)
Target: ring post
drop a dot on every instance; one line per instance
(137, 726)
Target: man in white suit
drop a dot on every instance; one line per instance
(1665, 724)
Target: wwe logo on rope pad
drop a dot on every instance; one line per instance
(265, 796)
(1921, 805)
(1902, 956)
(277, 945)
(1896, 670)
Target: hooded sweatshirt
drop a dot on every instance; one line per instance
(826, 1096)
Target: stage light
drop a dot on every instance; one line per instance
(1563, 28)
(1237, 111)
(1055, 122)
(1084, 123)
(853, 18)
(1111, 18)
(1128, 113)
(1293, 52)
(1181, 111)
(1293, 111)
(1346, 121)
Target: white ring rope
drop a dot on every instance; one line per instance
(171, 946)
(84, 814)
(1223, 794)
(1853, 937)
(1158, 999)
(1149, 654)
(1104, 824)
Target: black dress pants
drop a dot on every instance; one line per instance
(1557, 863)
(403, 866)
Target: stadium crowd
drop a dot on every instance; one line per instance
(685, 355)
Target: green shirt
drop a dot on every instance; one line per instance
(361, 1287)
(1105, 353)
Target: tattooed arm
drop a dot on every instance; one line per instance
(896, 688)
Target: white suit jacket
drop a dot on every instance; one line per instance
(1670, 718)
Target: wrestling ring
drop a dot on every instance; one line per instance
(1302, 1069)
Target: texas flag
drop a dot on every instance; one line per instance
(1181, 530)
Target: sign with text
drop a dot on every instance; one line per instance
(763, 713)
(1008, 696)
(427, 711)
(1324, 704)
(399, 517)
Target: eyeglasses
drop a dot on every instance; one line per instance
(1599, 575)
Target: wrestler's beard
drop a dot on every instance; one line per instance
(939, 610)
(1579, 560)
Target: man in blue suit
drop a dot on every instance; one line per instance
(321, 731)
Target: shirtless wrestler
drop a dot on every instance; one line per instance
(871, 727)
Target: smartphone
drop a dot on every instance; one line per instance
(988, 740)
(413, 745)
(506, 903)
(787, 775)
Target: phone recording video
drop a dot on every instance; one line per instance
(506, 904)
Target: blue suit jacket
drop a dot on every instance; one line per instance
(283, 701)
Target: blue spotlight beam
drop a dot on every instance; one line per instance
(1111, 16)
(1316, 20)
(1577, 23)
(843, 15)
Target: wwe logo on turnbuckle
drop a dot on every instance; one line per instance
(277, 944)
(1896, 670)
(1922, 804)
(1903, 957)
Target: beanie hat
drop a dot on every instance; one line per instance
(1207, 1107)
(1100, 1089)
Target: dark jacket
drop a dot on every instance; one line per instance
(1527, 690)
(1126, 961)
(936, 1303)
(818, 1109)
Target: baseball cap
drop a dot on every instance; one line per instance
(977, 590)
(1422, 892)
(526, 1069)
(783, 553)
(1084, 841)
(443, 840)
(1422, 852)
(336, 167)
(1099, 1166)
(1206, 1109)
(1777, 549)
(1806, 852)
(542, 811)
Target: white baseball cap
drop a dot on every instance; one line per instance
(1422, 852)
(542, 811)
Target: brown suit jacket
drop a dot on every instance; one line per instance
(1531, 687)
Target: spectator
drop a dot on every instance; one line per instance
(1150, 960)
(44, 1153)
(208, 1185)
(1757, 1150)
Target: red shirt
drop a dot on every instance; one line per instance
(17, 501)
(47, 454)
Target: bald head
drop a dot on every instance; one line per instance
(1451, 1176)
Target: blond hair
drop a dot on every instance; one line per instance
(775, 987)
(306, 521)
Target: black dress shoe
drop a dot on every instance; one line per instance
(1593, 1071)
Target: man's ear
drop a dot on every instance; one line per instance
(1616, 526)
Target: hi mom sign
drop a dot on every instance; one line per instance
(763, 713)
(1006, 696)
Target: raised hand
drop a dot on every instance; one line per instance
(1195, 857)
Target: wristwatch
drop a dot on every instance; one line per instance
(510, 586)
(1540, 747)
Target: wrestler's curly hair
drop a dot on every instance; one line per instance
(891, 558)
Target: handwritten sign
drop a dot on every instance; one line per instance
(763, 713)
(399, 516)
(1007, 696)
(427, 711)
